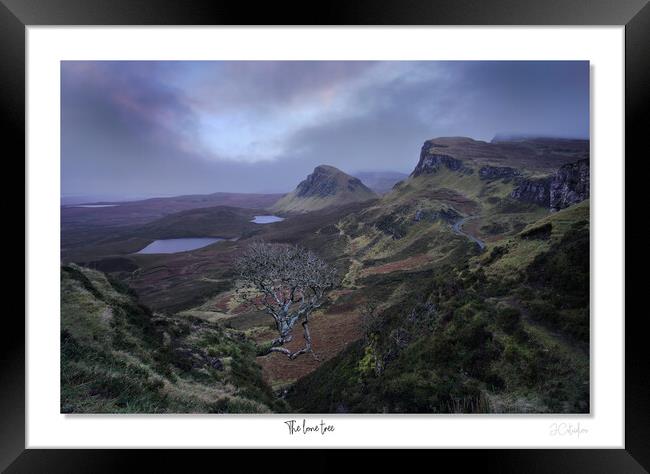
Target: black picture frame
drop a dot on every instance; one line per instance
(15, 15)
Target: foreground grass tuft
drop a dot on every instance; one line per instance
(119, 357)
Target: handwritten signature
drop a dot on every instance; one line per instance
(308, 428)
(567, 429)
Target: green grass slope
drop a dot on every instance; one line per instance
(414, 221)
(119, 357)
(474, 334)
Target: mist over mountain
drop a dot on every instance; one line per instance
(380, 181)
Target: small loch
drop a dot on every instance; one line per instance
(266, 219)
(178, 245)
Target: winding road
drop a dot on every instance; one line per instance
(457, 227)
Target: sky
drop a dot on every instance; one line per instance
(161, 128)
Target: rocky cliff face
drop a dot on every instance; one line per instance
(431, 161)
(536, 191)
(497, 172)
(327, 181)
(570, 185)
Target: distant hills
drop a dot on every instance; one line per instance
(326, 186)
(526, 137)
(380, 182)
(147, 210)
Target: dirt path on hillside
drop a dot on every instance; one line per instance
(457, 227)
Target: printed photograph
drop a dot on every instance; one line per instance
(325, 237)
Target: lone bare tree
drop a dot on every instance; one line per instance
(287, 282)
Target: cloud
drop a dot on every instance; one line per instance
(186, 126)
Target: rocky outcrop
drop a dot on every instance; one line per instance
(396, 224)
(326, 186)
(324, 182)
(497, 172)
(431, 215)
(536, 191)
(431, 161)
(570, 185)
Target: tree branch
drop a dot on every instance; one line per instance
(286, 276)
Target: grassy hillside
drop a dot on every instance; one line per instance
(505, 258)
(413, 223)
(220, 221)
(119, 357)
(473, 336)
